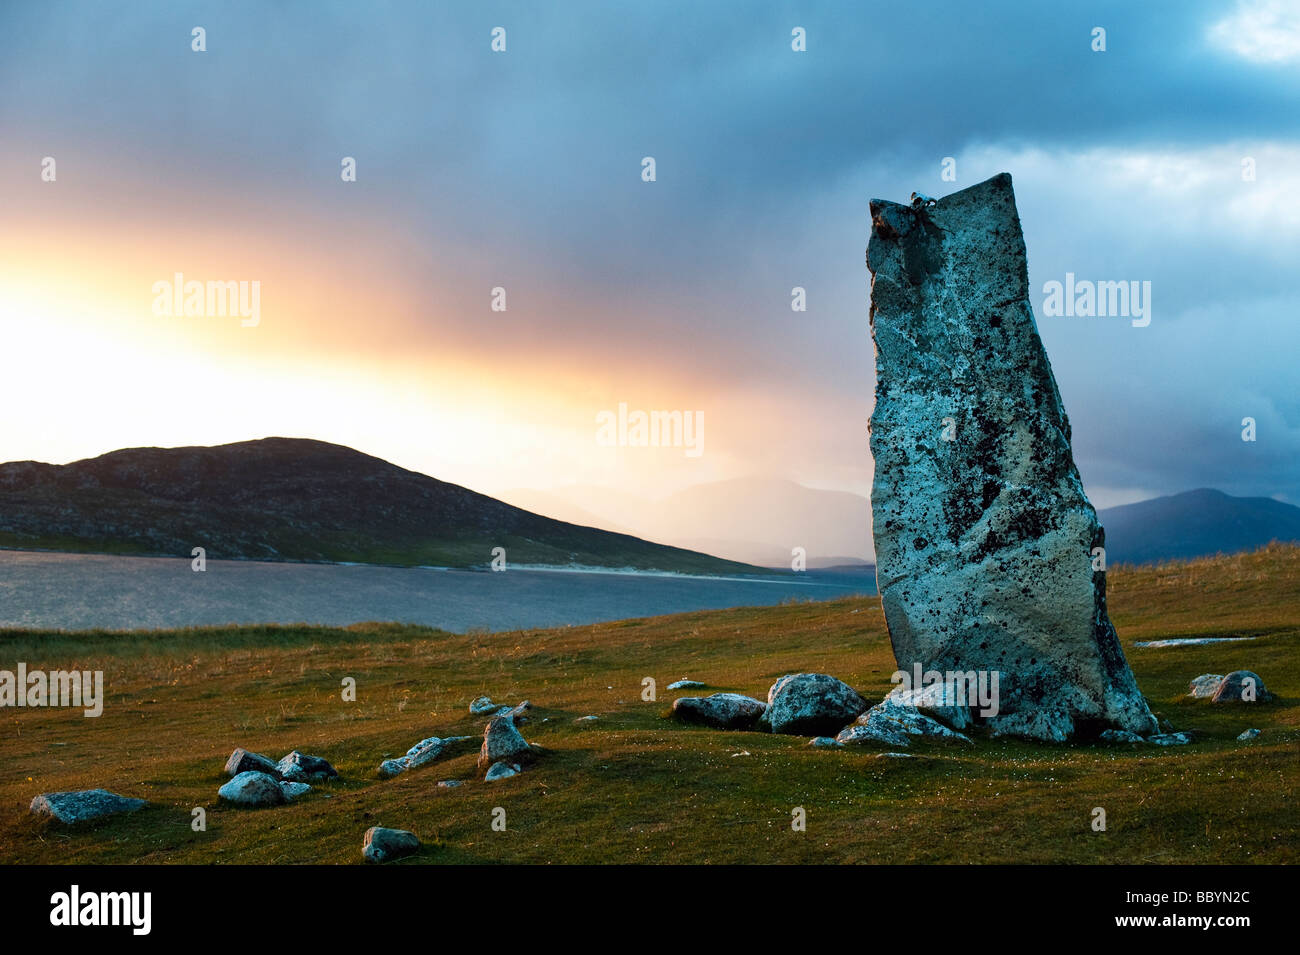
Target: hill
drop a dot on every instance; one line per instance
(1195, 524)
(290, 499)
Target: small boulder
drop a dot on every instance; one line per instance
(448, 783)
(482, 706)
(502, 741)
(253, 790)
(392, 767)
(1241, 686)
(893, 724)
(687, 685)
(501, 770)
(1204, 686)
(1170, 739)
(84, 805)
(242, 761)
(517, 713)
(293, 790)
(381, 845)
(730, 711)
(935, 700)
(811, 704)
(1248, 734)
(299, 767)
(824, 742)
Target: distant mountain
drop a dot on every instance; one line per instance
(296, 500)
(1195, 524)
(755, 520)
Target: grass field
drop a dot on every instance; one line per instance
(635, 786)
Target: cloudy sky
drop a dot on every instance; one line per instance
(522, 170)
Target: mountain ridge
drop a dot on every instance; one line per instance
(297, 499)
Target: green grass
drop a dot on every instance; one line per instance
(635, 786)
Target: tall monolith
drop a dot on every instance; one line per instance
(989, 558)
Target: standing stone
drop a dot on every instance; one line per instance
(984, 537)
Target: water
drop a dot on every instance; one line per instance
(80, 591)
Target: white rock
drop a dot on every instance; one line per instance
(253, 790)
(1249, 734)
(381, 845)
(501, 770)
(811, 704)
(293, 790)
(1204, 686)
(83, 805)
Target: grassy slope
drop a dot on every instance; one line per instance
(636, 787)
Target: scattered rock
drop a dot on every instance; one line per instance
(253, 790)
(1170, 739)
(824, 741)
(392, 767)
(501, 770)
(381, 845)
(1205, 685)
(1120, 736)
(84, 805)
(894, 756)
(984, 536)
(586, 719)
(892, 724)
(687, 685)
(811, 704)
(934, 701)
(516, 713)
(731, 711)
(1248, 734)
(293, 790)
(502, 742)
(299, 767)
(242, 761)
(482, 706)
(448, 783)
(1241, 686)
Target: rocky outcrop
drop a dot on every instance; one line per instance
(84, 805)
(811, 704)
(381, 845)
(730, 711)
(985, 540)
